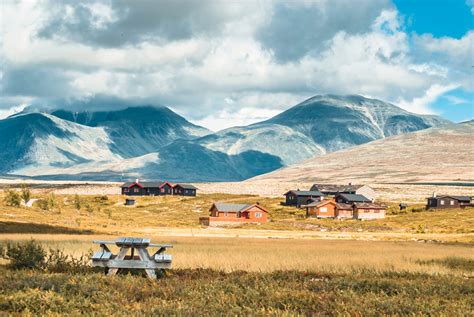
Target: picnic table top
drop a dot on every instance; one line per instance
(133, 242)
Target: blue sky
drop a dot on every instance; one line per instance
(442, 18)
(235, 63)
(451, 18)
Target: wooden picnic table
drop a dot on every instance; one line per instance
(150, 263)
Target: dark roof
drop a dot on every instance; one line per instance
(227, 207)
(186, 186)
(144, 184)
(305, 193)
(336, 188)
(354, 197)
(369, 205)
(460, 198)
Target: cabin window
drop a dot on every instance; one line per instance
(162, 190)
(451, 202)
(366, 210)
(125, 190)
(376, 211)
(323, 209)
(136, 190)
(225, 214)
(441, 202)
(258, 214)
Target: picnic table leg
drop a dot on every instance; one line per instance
(145, 256)
(120, 256)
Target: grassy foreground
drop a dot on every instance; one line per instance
(210, 292)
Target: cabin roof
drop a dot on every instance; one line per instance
(319, 203)
(227, 207)
(186, 186)
(369, 205)
(459, 198)
(343, 206)
(146, 184)
(337, 188)
(354, 197)
(305, 193)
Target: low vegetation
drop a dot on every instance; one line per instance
(108, 215)
(41, 283)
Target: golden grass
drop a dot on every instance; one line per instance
(153, 215)
(232, 254)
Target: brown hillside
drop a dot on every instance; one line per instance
(433, 155)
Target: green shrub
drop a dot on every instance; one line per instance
(25, 193)
(101, 199)
(28, 255)
(453, 262)
(31, 255)
(43, 204)
(59, 262)
(77, 202)
(12, 198)
(89, 209)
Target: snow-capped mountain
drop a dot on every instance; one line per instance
(31, 142)
(137, 131)
(319, 125)
(155, 143)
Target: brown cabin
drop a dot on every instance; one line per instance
(445, 201)
(328, 209)
(227, 213)
(369, 211)
(184, 190)
(139, 188)
(321, 209)
(344, 211)
(298, 198)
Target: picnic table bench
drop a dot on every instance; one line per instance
(150, 263)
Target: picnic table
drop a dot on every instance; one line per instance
(123, 260)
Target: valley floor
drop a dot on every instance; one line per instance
(418, 262)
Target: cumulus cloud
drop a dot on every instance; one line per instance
(212, 60)
(121, 23)
(297, 28)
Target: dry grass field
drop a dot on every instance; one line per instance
(415, 263)
(174, 215)
(266, 255)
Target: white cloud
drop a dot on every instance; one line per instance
(213, 76)
(225, 119)
(421, 104)
(455, 100)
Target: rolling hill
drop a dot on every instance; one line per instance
(443, 154)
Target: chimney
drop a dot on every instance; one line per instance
(137, 181)
(257, 203)
(350, 184)
(434, 194)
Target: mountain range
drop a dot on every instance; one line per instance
(153, 142)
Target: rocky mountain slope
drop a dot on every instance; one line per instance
(31, 142)
(137, 131)
(443, 154)
(154, 142)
